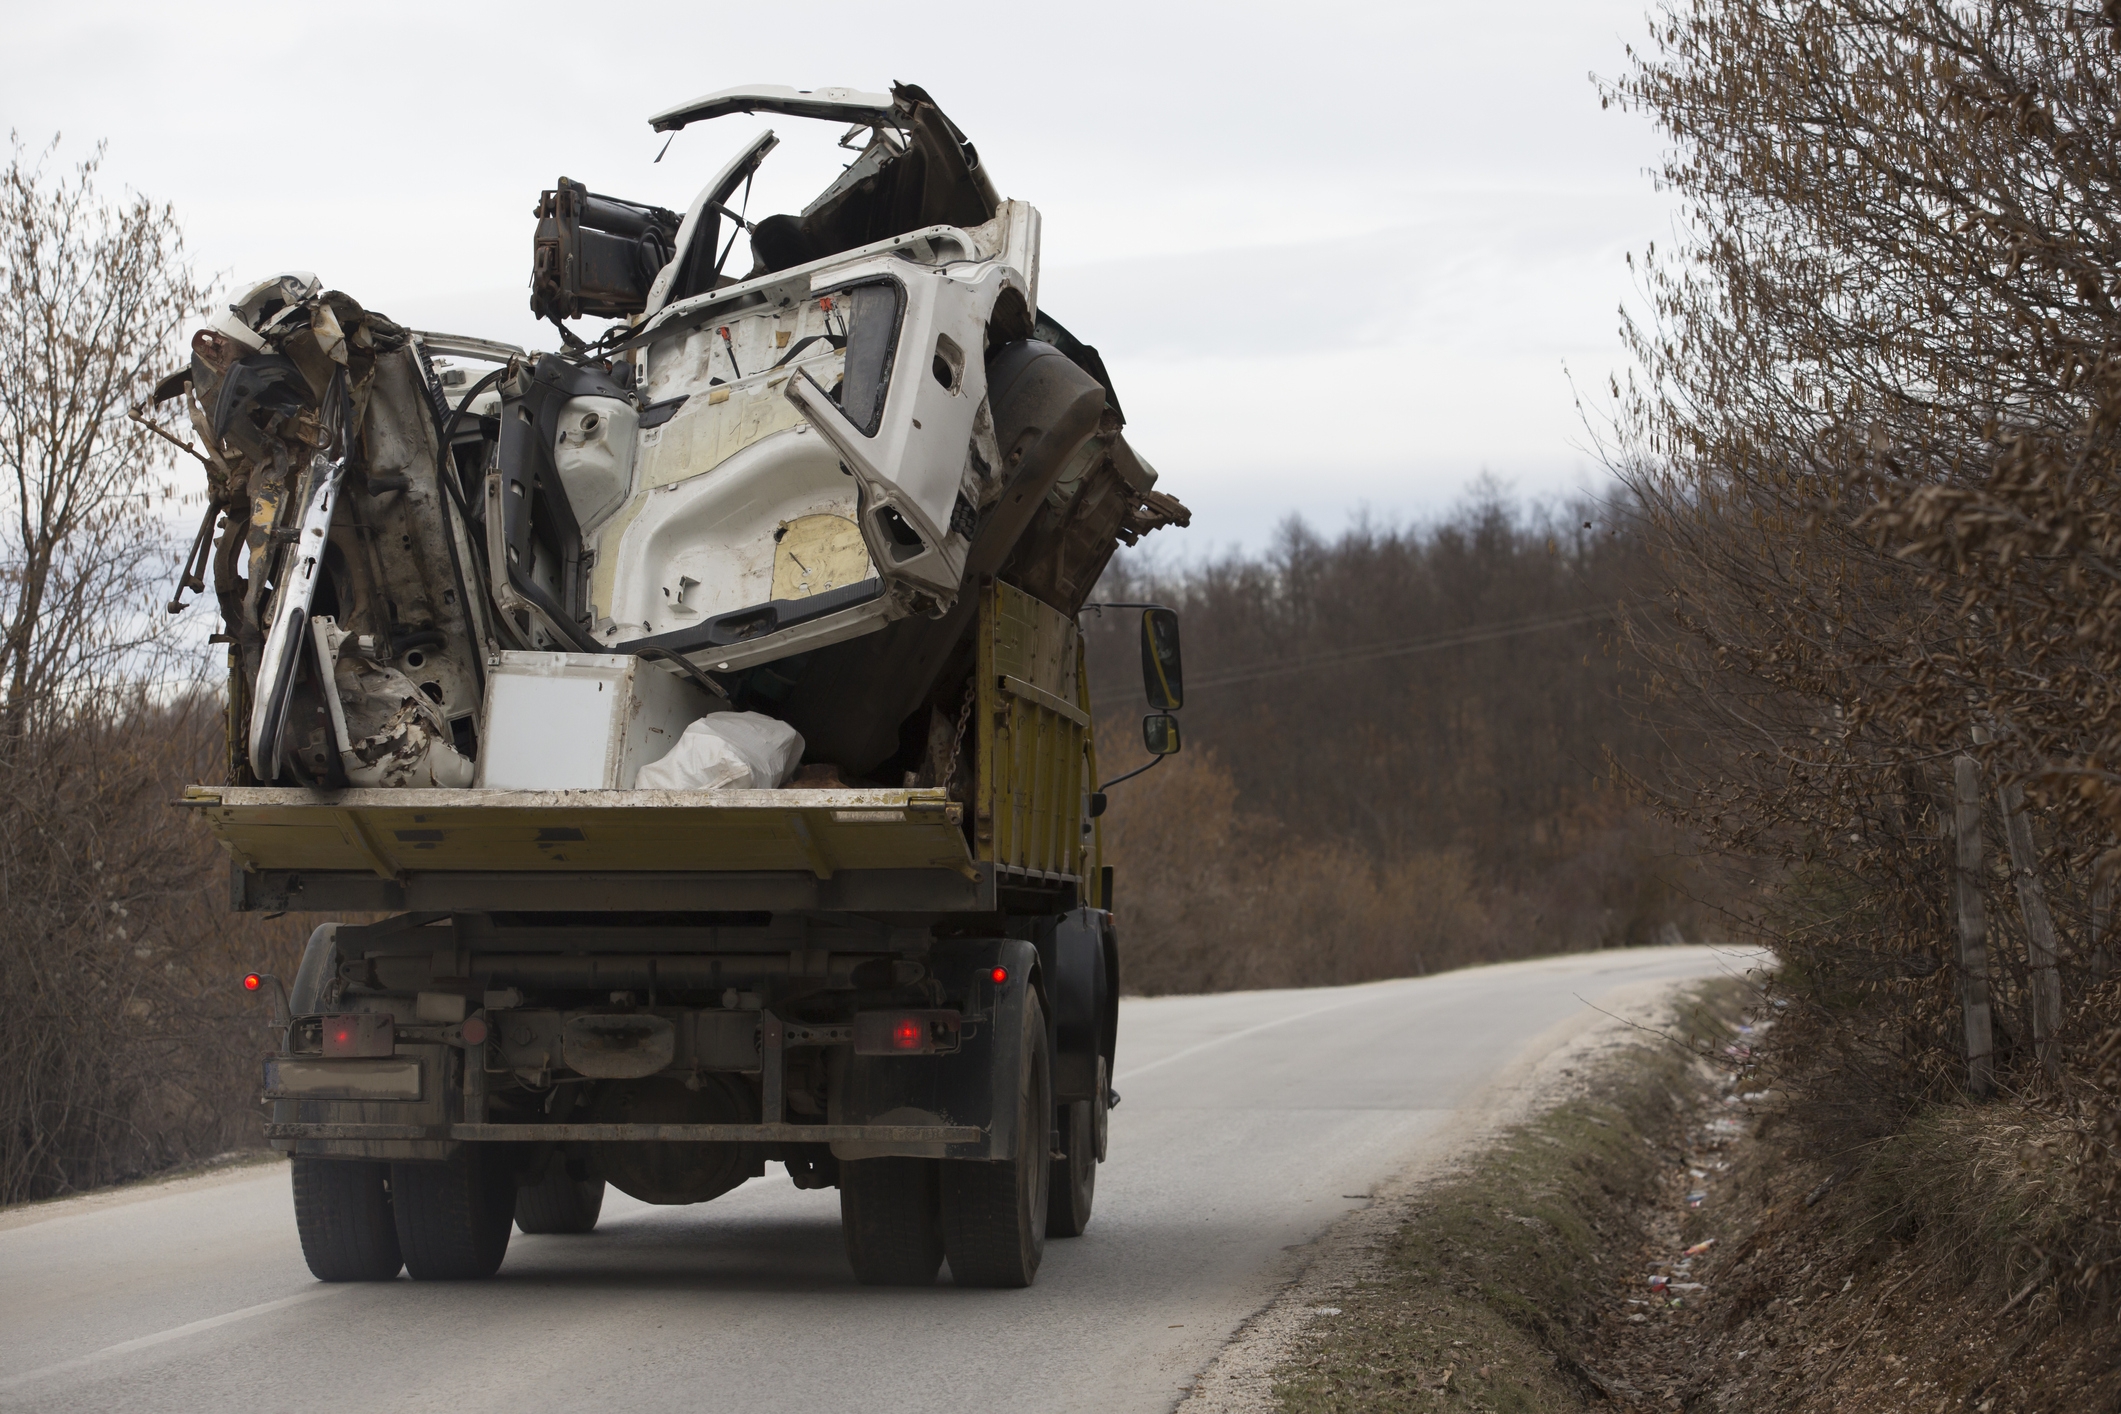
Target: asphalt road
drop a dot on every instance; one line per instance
(1248, 1121)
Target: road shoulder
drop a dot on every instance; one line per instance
(1386, 1308)
(238, 1167)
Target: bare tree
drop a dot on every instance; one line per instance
(124, 1048)
(1875, 439)
(95, 293)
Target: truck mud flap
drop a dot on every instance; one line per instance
(340, 1108)
(974, 1086)
(1082, 992)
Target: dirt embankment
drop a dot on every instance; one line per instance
(1657, 1239)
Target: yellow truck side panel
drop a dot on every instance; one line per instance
(1034, 737)
(393, 832)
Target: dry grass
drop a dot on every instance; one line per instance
(1903, 1276)
(1908, 1275)
(1498, 1291)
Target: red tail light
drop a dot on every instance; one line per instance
(363, 1033)
(905, 1033)
(252, 981)
(999, 975)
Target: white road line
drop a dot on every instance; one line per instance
(127, 1347)
(1200, 1046)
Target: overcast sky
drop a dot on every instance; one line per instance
(1338, 257)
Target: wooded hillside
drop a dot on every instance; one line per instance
(1400, 748)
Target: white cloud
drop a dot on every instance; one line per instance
(1335, 254)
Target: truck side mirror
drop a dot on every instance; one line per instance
(1160, 734)
(1161, 678)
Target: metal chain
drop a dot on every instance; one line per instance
(957, 742)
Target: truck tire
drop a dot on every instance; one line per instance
(1074, 1181)
(891, 1217)
(342, 1210)
(559, 1202)
(454, 1216)
(994, 1211)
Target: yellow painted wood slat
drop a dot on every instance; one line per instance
(987, 753)
(1033, 693)
(1039, 798)
(1035, 712)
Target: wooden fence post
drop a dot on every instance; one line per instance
(1973, 931)
(2102, 916)
(2039, 927)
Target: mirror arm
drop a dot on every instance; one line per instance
(1153, 761)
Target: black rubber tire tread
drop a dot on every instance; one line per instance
(994, 1211)
(558, 1203)
(891, 1217)
(342, 1211)
(454, 1217)
(1073, 1186)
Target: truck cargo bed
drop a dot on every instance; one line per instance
(381, 849)
(861, 849)
(393, 833)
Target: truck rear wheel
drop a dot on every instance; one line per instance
(559, 1202)
(994, 1212)
(454, 1216)
(342, 1210)
(1074, 1181)
(891, 1217)
(1083, 1142)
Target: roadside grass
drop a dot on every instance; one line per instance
(1953, 1262)
(1988, 1199)
(1487, 1297)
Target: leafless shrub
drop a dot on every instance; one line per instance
(122, 1049)
(1873, 444)
(1233, 901)
(128, 1045)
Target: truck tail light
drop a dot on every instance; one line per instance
(362, 1033)
(252, 981)
(905, 1033)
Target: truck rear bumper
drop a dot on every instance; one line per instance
(682, 1133)
(918, 890)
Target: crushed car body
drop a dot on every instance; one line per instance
(772, 492)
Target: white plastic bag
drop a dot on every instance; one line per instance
(727, 751)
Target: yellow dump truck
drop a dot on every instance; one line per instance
(703, 711)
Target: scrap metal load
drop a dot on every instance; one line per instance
(774, 492)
